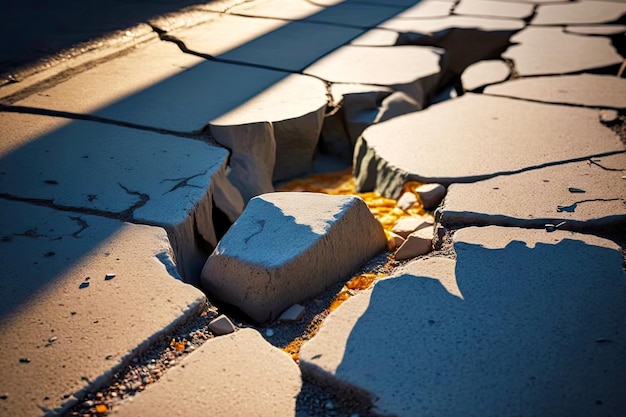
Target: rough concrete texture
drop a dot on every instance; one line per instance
(101, 169)
(524, 322)
(584, 195)
(589, 90)
(143, 86)
(494, 8)
(579, 12)
(488, 37)
(234, 375)
(483, 73)
(277, 254)
(549, 50)
(413, 70)
(517, 134)
(66, 325)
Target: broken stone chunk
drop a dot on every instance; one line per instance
(293, 313)
(221, 325)
(579, 12)
(394, 241)
(407, 225)
(406, 200)
(431, 194)
(417, 243)
(484, 72)
(288, 246)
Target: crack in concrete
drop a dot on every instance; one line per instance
(572, 207)
(143, 199)
(596, 163)
(93, 118)
(182, 182)
(558, 103)
(261, 224)
(82, 224)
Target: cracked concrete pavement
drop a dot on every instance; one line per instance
(126, 162)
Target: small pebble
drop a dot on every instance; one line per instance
(269, 332)
(109, 276)
(89, 403)
(329, 405)
(4, 396)
(52, 339)
(24, 360)
(576, 190)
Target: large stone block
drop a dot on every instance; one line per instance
(286, 247)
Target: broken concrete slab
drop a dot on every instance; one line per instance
(235, 375)
(523, 322)
(484, 73)
(494, 8)
(261, 269)
(407, 225)
(413, 70)
(579, 196)
(80, 296)
(591, 90)
(431, 195)
(102, 169)
(489, 37)
(519, 135)
(579, 12)
(549, 50)
(134, 89)
(269, 43)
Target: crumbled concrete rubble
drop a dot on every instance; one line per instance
(278, 254)
(186, 137)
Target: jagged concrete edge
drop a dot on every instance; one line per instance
(106, 378)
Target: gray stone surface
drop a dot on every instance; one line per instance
(483, 73)
(144, 86)
(130, 174)
(488, 37)
(549, 50)
(66, 328)
(286, 247)
(413, 70)
(522, 323)
(494, 8)
(590, 90)
(235, 375)
(476, 137)
(543, 196)
(579, 12)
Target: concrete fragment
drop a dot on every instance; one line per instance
(592, 90)
(507, 312)
(101, 168)
(286, 247)
(549, 50)
(608, 116)
(494, 8)
(483, 73)
(225, 374)
(489, 37)
(579, 12)
(511, 200)
(407, 225)
(518, 134)
(394, 241)
(417, 243)
(431, 194)
(58, 310)
(411, 69)
(221, 325)
(293, 313)
(406, 200)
